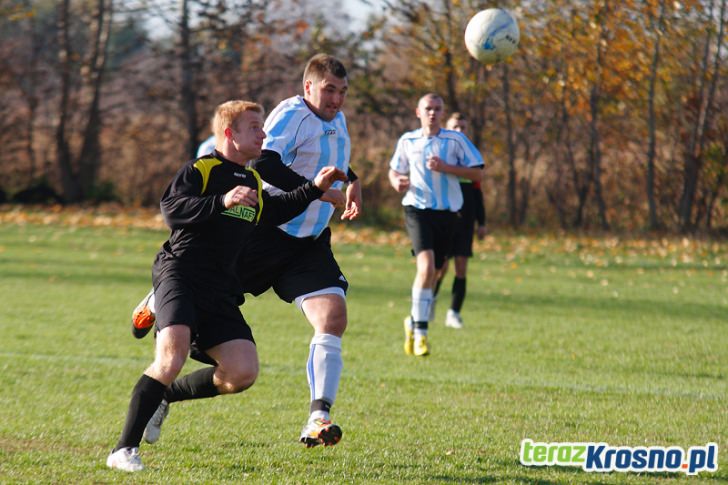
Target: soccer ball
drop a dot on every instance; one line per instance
(492, 35)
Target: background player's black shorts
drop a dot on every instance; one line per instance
(213, 316)
(430, 229)
(291, 266)
(462, 244)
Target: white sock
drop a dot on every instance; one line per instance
(324, 367)
(150, 304)
(421, 304)
(432, 309)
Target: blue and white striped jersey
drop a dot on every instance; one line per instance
(306, 144)
(429, 189)
(207, 146)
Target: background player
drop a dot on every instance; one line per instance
(425, 167)
(472, 210)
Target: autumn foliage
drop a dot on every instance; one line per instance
(610, 116)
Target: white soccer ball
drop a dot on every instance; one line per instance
(492, 35)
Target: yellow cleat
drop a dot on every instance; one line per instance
(421, 347)
(409, 337)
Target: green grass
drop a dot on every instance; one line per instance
(566, 339)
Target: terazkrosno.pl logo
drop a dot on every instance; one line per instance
(601, 457)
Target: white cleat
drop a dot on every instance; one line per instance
(154, 426)
(453, 320)
(125, 459)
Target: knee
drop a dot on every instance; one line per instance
(237, 380)
(167, 368)
(337, 321)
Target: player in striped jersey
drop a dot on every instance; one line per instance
(425, 167)
(295, 259)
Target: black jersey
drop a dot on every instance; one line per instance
(206, 237)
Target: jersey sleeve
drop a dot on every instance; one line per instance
(471, 156)
(273, 171)
(184, 202)
(400, 161)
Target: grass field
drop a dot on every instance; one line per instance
(567, 340)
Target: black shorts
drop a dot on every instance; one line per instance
(213, 316)
(462, 244)
(430, 229)
(291, 266)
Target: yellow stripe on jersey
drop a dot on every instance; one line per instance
(260, 192)
(205, 166)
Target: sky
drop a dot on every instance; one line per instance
(359, 10)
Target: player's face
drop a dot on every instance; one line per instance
(430, 111)
(247, 135)
(457, 125)
(326, 96)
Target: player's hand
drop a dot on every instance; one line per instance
(334, 197)
(401, 183)
(482, 231)
(327, 176)
(353, 201)
(436, 164)
(241, 195)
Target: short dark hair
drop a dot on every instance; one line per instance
(320, 65)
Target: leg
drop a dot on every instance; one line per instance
(229, 345)
(237, 366)
(459, 286)
(422, 301)
(171, 351)
(422, 294)
(441, 272)
(327, 315)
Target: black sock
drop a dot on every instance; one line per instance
(436, 290)
(195, 385)
(458, 293)
(420, 325)
(145, 399)
(320, 405)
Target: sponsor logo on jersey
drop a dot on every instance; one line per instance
(241, 212)
(330, 131)
(240, 175)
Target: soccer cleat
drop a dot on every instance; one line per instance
(126, 459)
(421, 348)
(143, 318)
(409, 337)
(154, 426)
(453, 319)
(320, 432)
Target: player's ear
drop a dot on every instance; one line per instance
(228, 132)
(307, 86)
